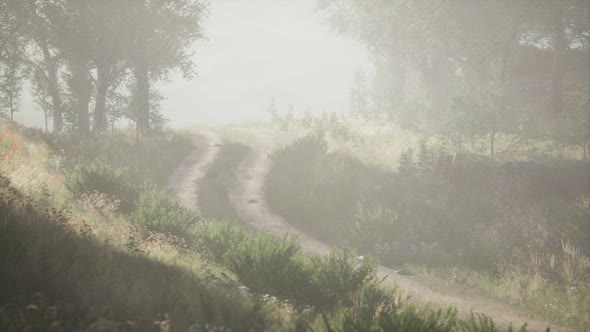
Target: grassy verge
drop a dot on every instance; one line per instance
(491, 222)
(82, 249)
(153, 267)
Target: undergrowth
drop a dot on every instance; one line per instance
(440, 210)
(154, 263)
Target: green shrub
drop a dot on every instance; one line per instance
(412, 319)
(318, 189)
(277, 266)
(161, 211)
(338, 276)
(102, 177)
(268, 264)
(374, 226)
(216, 238)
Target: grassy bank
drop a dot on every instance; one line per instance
(99, 243)
(498, 226)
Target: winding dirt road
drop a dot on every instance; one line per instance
(185, 179)
(248, 199)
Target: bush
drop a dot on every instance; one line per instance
(216, 238)
(161, 211)
(101, 177)
(373, 227)
(411, 319)
(318, 189)
(45, 250)
(338, 276)
(268, 264)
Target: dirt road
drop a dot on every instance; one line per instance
(248, 200)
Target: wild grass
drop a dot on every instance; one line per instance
(75, 250)
(479, 216)
(114, 273)
(161, 211)
(270, 265)
(316, 188)
(380, 142)
(551, 286)
(119, 267)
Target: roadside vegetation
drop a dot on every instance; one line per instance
(72, 255)
(515, 231)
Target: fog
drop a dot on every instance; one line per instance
(256, 51)
(294, 165)
(259, 50)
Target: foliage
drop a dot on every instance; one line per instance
(338, 277)
(305, 174)
(267, 264)
(104, 178)
(65, 254)
(373, 227)
(160, 211)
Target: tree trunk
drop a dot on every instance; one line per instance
(143, 98)
(102, 89)
(100, 117)
(45, 115)
(53, 88)
(81, 88)
(11, 108)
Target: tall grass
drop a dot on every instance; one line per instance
(471, 213)
(277, 266)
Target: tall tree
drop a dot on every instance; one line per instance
(109, 20)
(41, 95)
(74, 40)
(12, 74)
(13, 68)
(37, 20)
(163, 40)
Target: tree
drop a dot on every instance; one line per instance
(491, 53)
(75, 43)
(163, 35)
(41, 95)
(37, 22)
(12, 74)
(109, 21)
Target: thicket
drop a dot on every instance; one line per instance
(113, 268)
(520, 218)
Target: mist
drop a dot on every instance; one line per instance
(294, 165)
(260, 50)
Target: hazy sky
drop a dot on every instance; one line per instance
(263, 49)
(257, 50)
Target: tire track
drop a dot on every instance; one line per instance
(184, 180)
(248, 199)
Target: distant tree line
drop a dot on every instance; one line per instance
(92, 62)
(474, 69)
